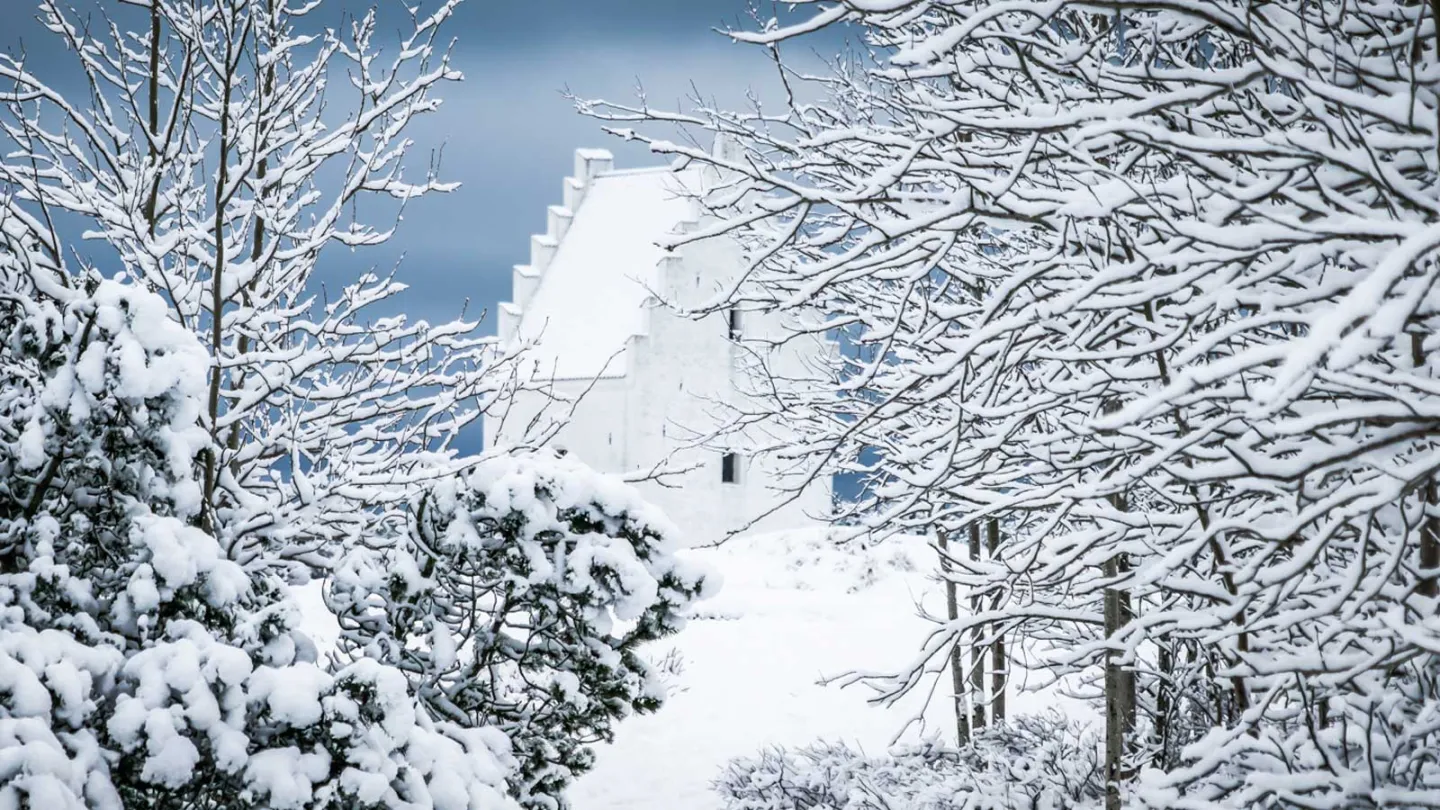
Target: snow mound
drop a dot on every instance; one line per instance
(819, 559)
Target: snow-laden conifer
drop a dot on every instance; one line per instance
(192, 422)
(521, 598)
(139, 666)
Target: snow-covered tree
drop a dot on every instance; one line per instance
(217, 151)
(139, 666)
(190, 422)
(520, 600)
(1151, 283)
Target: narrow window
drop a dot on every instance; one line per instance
(730, 469)
(734, 323)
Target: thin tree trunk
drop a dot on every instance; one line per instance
(1118, 717)
(217, 288)
(999, 667)
(1164, 683)
(1217, 545)
(257, 246)
(957, 656)
(1429, 561)
(1119, 682)
(153, 115)
(977, 650)
(1430, 542)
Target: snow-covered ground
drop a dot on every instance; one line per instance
(792, 610)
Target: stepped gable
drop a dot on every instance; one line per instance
(583, 298)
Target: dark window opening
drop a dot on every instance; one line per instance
(734, 323)
(730, 469)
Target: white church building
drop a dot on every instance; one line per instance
(644, 387)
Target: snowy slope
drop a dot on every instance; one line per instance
(791, 611)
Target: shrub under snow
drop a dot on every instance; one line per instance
(139, 667)
(1032, 762)
(521, 599)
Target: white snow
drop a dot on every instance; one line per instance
(591, 296)
(793, 609)
(317, 621)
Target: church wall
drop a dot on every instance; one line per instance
(684, 382)
(596, 431)
(680, 378)
(680, 365)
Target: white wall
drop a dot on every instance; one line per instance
(690, 376)
(679, 377)
(597, 432)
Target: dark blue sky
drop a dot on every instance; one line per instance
(508, 133)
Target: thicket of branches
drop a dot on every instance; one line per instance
(216, 151)
(1149, 287)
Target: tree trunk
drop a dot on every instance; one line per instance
(1430, 542)
(1119, 692)
(957, 656)
(977, 650)
(217, 286)
(1119, 681)
(1429, 584)
(999, 668)
(1163, 685)
(153, 116)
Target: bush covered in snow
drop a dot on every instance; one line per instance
(1032, 762)
(520, 599)
(139, 666)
